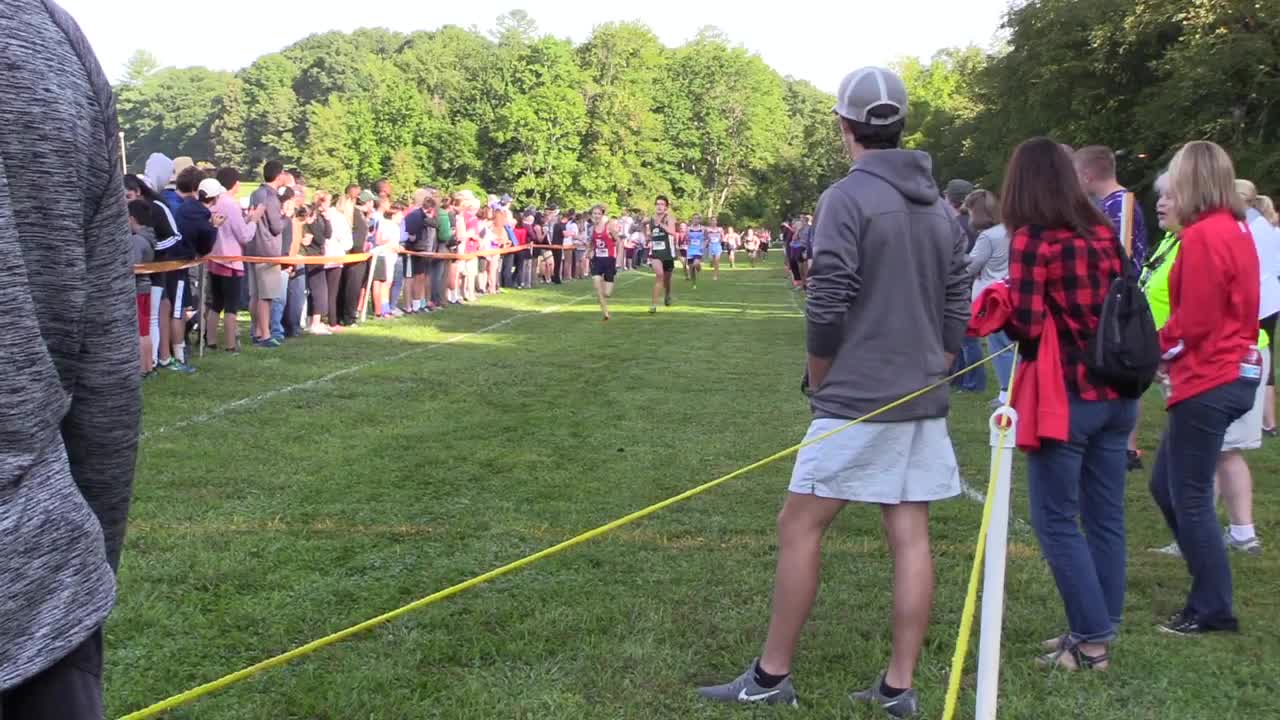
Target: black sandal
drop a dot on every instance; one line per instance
(1082, 660)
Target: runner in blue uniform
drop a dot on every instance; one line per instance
(715, 245)
(697, 240)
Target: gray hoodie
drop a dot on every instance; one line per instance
(143, 251)
(267, 240)
(71, 388)
(888, 289)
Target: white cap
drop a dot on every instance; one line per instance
(871, 87)
(210, 188)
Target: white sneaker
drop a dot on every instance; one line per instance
(321, 330)
(1252, 546)
(1171, 549)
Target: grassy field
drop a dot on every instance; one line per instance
(283, 495)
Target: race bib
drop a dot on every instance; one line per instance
(659, 245)
(1251, 366)
(602, 250)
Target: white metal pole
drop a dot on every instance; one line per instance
(993, 572)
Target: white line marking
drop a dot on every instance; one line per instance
(263, 397)
(980, 497)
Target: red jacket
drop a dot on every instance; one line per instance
(1213, 300)
(1039, 393)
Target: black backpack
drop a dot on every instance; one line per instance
(1124, 353)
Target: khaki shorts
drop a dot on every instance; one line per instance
(1246, 433)
(268, 282)
(880, 463)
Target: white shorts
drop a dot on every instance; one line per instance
(1246, 433)
(881, 463)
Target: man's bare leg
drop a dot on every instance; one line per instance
(801, 524)
(906, 529)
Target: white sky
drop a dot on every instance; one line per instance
(817, 40)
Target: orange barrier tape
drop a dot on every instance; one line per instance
(347, 259)
(464, 256)
(164, 266)
(167, 266)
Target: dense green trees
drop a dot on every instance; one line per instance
(621, 118)
(1143, 76)
(616, 119)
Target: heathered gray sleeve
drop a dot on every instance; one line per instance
(101, 428)
(959, 291)
(70, 391)
(833, 282)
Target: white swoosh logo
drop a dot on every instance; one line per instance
(744, 696)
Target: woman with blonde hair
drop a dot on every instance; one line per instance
(1213, 368)
(1267, 239)
(471, 219)
(989, 264)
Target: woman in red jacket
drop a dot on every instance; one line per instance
(1213, 369)
(1063, 257)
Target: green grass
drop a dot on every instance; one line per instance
(299, 513)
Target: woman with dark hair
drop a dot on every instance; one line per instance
(1063, 258)
(989, 264)
(167, 237)
(317, 237)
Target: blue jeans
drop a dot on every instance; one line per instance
(437, 281)
(277, 319)
(295, 302)
(1078, 483)
(976, 379)
(1002, 364)
(1182, 485)
(397, 282)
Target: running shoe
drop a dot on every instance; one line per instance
(176, 366)
(1171, 550)
(653, 309)
(1252, 546)
(906, 705)
(1187, 625)
(744, 690)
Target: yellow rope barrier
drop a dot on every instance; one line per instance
(210, 687)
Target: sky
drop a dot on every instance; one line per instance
(815, 40)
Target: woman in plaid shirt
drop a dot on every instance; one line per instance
(1063, 257)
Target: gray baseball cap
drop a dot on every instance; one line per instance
(871, 87)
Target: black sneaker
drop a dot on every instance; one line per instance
(1135, 460)
(1186, 624)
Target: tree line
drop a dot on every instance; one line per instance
(1141, 76)
(620, 117)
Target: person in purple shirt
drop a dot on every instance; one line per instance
(1096, 167)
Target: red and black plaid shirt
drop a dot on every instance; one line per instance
(1057, 272)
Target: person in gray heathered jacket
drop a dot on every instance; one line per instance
(888, 304)
(70, 384)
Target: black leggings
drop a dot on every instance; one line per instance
(324, 283)
(352, 283)
(1268, 325)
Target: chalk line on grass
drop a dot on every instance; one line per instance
(253, 400)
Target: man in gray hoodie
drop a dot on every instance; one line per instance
(888, 302)
(71, 383)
